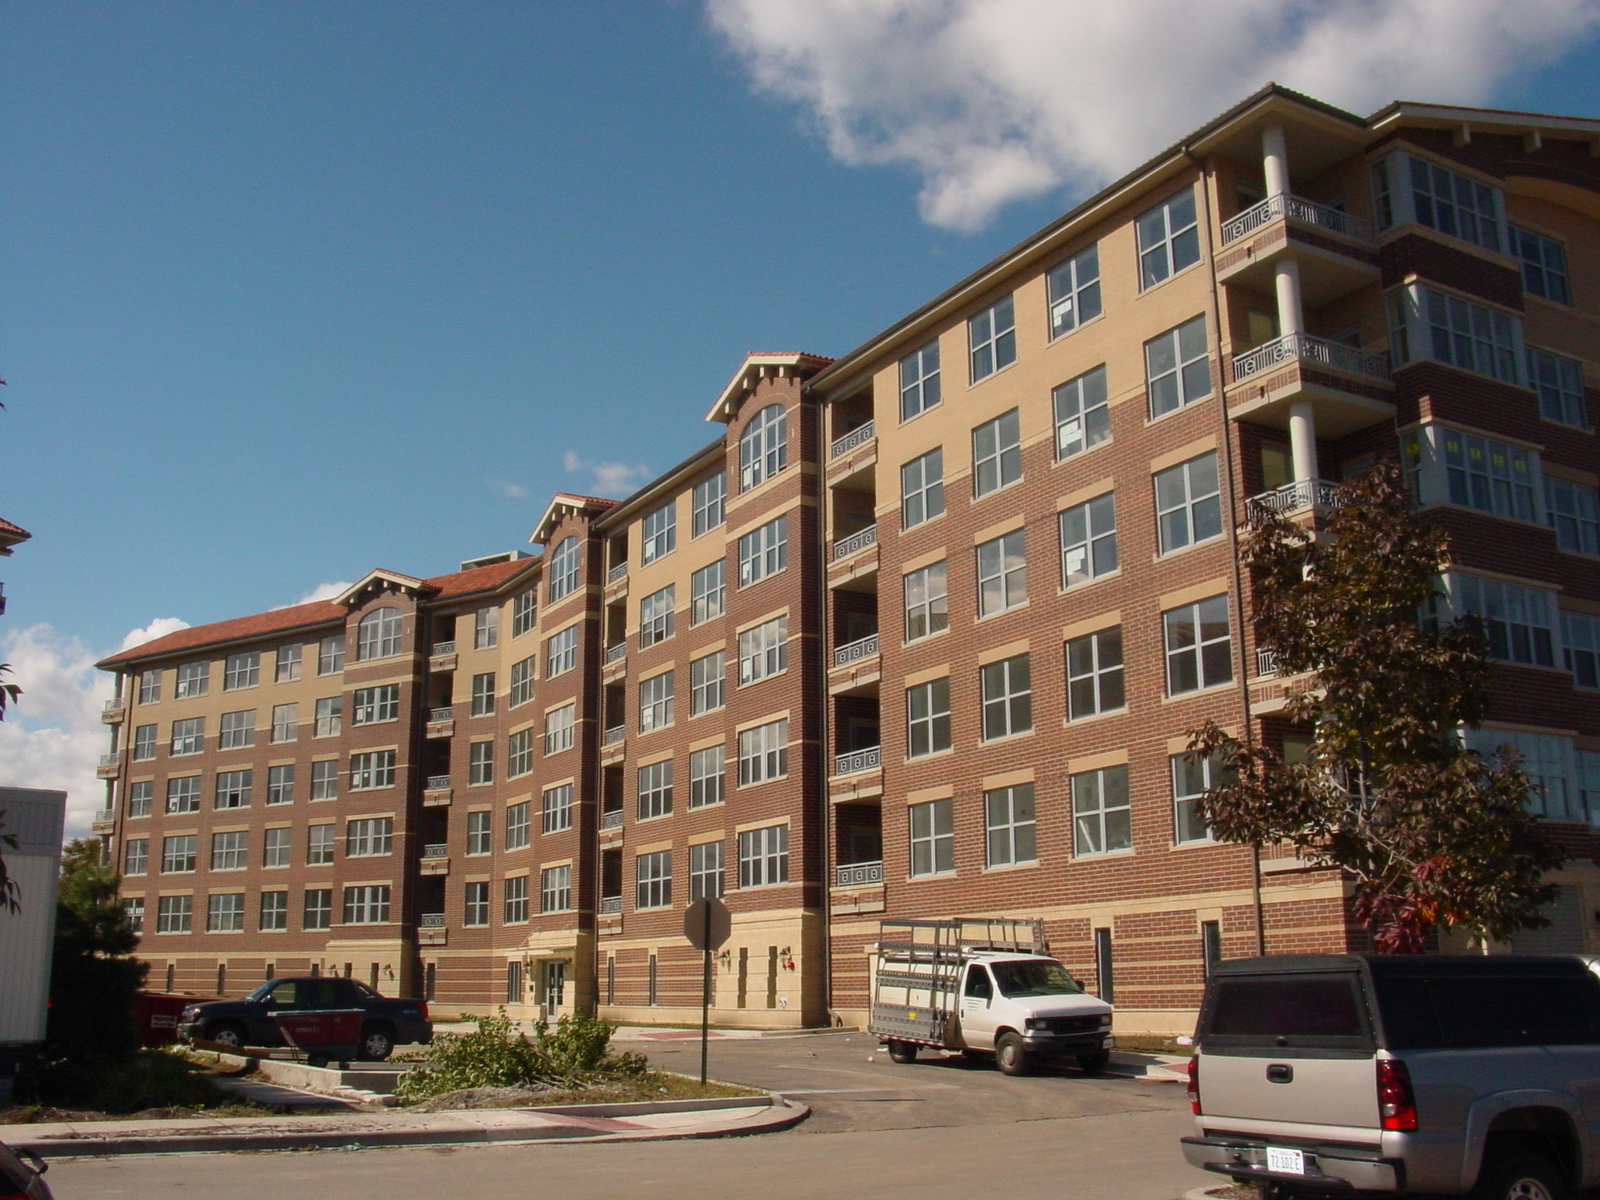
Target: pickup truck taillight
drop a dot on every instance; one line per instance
(1194, 1086)
(424, 1007)
(1397, 1104)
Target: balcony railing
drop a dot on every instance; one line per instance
(618, 572)
(857, 760)
(110, 760)
(860, 540)
(855, 874)
(1266, 663)
(438, 783)
(430, 921)
(855, 651)
(617, 653)
(1307, 212)
(436, 850)
(1307, 493)
(614, 735)
(447, 713)
(1311, 349)
(610, 904)
(114, 704)
(857, 436)
(612, 819)
(440, 649)
(105, 816)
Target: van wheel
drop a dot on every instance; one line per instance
(902, 1052)
(1521, 1177)
(1011, 1054)
(1093, 1064)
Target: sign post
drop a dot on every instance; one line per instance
(707, 925)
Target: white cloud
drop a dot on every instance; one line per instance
(158, 628)
(323, 591)
(511, 491)
(991, 101)
(610, 478)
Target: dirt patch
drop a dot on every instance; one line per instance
(43, 1114)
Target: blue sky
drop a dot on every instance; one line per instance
(298, 289)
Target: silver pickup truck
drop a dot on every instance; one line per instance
(1321, 1075)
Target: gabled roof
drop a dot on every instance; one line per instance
(754, 367)
(384, 581)
(563, 503)
(11, 535)
(239, 629)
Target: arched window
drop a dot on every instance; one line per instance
(763, 446)
(378, 634)
(564, 568)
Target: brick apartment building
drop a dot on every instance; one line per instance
(925, 632)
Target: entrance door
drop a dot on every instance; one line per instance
(555, 987)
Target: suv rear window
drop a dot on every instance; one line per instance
(1310, 1011)
(1467, 1012)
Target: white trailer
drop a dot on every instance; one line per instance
(35, 818)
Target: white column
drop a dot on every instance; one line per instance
(1303, 441)
(1275, 160)
(1286, 280)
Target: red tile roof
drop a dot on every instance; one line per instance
(12, 532)
(319, 612)
(478, 579)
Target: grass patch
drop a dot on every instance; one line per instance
(657, 1085)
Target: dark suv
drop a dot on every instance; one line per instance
(249, 1022)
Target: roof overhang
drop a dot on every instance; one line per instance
(755, 368)
(1531, 126)
(380, 581)
(564, 504)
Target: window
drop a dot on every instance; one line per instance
(325, 780)
(319, 845)
(919, 381)
(519, 753)
(1406, 188)
(519, 828)
(933, 839)
(225, 913)
(183, 795)
(764, 650)
(1169, 238)
(1094, 673)
(486, 627)
(560, 654)
(241, 671)
(1519, 621)
(1476, 472)
(1192, 775)
(317, 912)
(476, 908)
(330, 654)
(141, 797)
(136, 856)
(285, 722)
(1199, 650)
(1088, 540)
(654, 873)
(658, 532)
(1424, 323)
(178, 854)
(524, 612)
(280, 784)
(706, 683)
(1188, 503)
(375, 704)
(150, 686)
(233, 789)
(655, 701)
(555, 889)
(764, 856)
(1177, 369)
(707, 501)
(274, 910)
(238, 729)
(922, 488)
(134, 907)
(483, 692)
(188, 735)
(1544, 264)
(764, 752)
(655, 789)
(1559, 382)
(656, 617)
(764, 551)
(1009, 822)
(193, 679)
(173, 914)
(374, 769)
(1002, 574)
(480, 834)
(707, 591)
(144, 743)
(1556, 770)
(992, 338)
(367, 904)
(927, 605)
(275, 847)
(558, 728)
(557, 805)
(927, 718)
(480, 763)
(705, 777)
(230, 851)
(705, 870)
(1083, 413)
(1580, 637)
(563, 568)
(1574, 510)
(521, 692)
(1007, 698)
(328, 718)
(763, 446)
(1101, 818)
(996, 453)
(1074, 291)
(378, 634)
(368, 837)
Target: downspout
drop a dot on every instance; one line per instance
(824, 703)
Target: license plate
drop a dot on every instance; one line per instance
(1287, 1162)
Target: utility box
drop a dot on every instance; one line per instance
(35, 817)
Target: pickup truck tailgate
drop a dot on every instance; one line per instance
(1295, 1089)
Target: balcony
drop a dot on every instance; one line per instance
(616, 656)
(856, 761)
(1292, 497)
(1302, 212)
(109, 767)
(1334, 250)
(856, 651)
(857, 874)
(859, 436)
(431, 930)
(1349, 389)
(855, 543)
(436, 791)
(435, 859)
(103, 821)
(611, 820)
(442, 722)
(442, 657)
(1266, 664)
(617, 573)
(614, 735)
(114, 712)
(610, 905)
(616, 582)
(436, 850)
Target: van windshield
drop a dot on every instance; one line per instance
(1034, 979)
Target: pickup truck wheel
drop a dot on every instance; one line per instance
(1521, 1177)
(377, 1043)
(226, 1033)
(1093, 1064)
(902, 1052)
(1011, 1054)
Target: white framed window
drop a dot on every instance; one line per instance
(919, 381)
(1002, 573)
(319, 845)
(922, 488)
(653, 873)
(194, 679)
(559, 724)
(1544, 265)
(655, 701)
(519, 827)
(708, 502)
(1082, 413)
(275, 846)
(136, 856)
(764, 650)
(486, 627)
(1198, 645)
(524, 612)
(1408, 188)
(133, 906)
(237, 730)
(763, 446)
(475, 907)
(274, 910)
(926, 601)
(1192, 776)
(705, 870)
(1580, 646)
(280, 784)
(519, 753)
(1188, 503)
(285, 722)
(561, 652)
(996, 453)
(144, 743)
(927, 718)
(1094, 673)
(1559, 384)
(483, 692)
(1573, 509)
(225, 912)
(241, 671)
(764, 752)
(287, 667)
(141, 798)
(230, 851)
(656, 618)
(328, 719)
(173, 914)
(708, 589)
(373, 705)
(563, 569)
(330, 654)
(764, 856)
(150, 686)
(369, 837)
(1169, 238)
(378, 634)
(1427, 323)
(480, 832)
(522, 679)
(1519, 621)
(1445, 465)
(480, 763)
(1561, 780)
(1074, 291)
(555, 889)
(233, 789)
(933, 839)
(1102, 820)
(1007, 697)
(658, 532)
(764, 551)
(325, 779)
(706, 770)
(178, 854)
(1009, 825)
(373, 769)
(183, 794)
(367, 904)
(1177, 367)
(992, 338)
(557, 808)
(317, 910)
(515, 907)
(706, 676)
(1088, 540)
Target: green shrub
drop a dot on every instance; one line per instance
(572, 1055)
(150, 1079)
